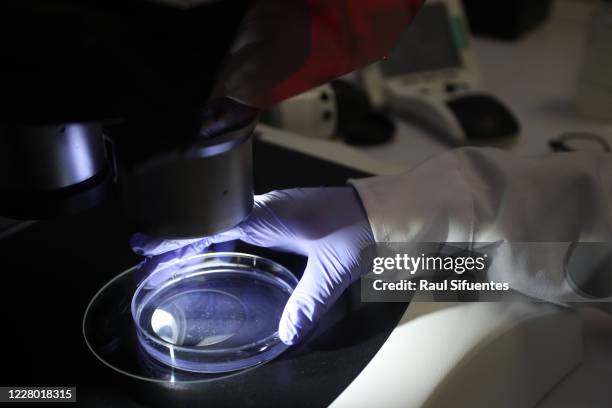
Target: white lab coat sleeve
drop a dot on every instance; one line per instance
(487, 195)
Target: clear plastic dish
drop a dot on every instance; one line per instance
(213, 313)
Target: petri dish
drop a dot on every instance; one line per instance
(213, 313)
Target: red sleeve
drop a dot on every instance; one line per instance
(288, 47)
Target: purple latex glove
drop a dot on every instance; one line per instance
(328, 225)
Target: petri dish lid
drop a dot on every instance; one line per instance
(213, 313)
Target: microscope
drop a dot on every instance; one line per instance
(103, 98)
(122, 98)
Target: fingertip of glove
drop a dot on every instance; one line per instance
(293, 326)
(138, 243)
(288, 335)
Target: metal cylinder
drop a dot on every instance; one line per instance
(50, 157)
(195, 192)
(52, 170)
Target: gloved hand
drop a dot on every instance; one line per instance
(328, 225)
